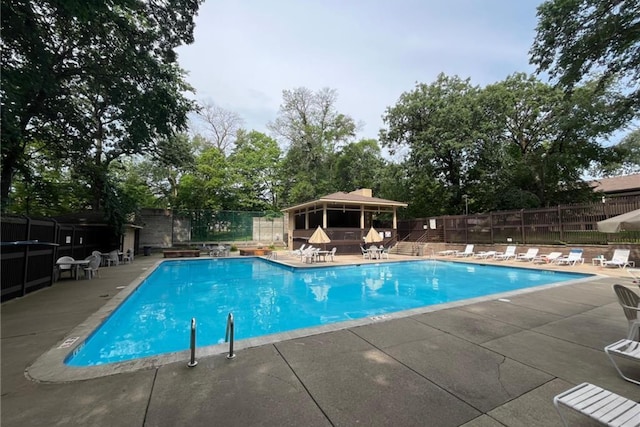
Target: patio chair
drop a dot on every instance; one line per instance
(468, 251)
(65, 267)
(365, 253)
(92, 269)
(114, 258)
(298, 252)
(509, 253)
(547, 258)
(332, 254)
(619, 259)
(310, 254)
(384, 252)
(627, 349)
(630, 302)
(599, 404)
(530, 255)
(128, 256)
(575, 256)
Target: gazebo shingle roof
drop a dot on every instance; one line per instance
(355, 197)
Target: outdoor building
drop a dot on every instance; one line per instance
(627, 185)
(346, 218)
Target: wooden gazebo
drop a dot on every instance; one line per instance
(345, 217)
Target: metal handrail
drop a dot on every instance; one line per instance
(193, 362)
(229, 336)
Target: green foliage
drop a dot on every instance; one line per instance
(578, 37)
(255, 166)
(622, 158)
(437, 125)
(313, 130)
(92, 81)
(359, 165)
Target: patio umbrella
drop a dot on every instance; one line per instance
(319, 236)
(626, 222)
(372, 236)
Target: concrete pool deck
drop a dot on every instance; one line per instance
(488, 363)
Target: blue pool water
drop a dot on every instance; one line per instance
(267, 298)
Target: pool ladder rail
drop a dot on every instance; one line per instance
(228, 338)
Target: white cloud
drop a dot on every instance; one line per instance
(247, 52)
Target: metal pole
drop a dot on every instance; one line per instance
(193, 362)
(229, 336)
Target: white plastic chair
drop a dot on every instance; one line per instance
(619, 259)
(113, 258)
(65, 267)
(128, 256)
(93, 268)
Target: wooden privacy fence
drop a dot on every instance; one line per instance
(570, 224)
(30, 248)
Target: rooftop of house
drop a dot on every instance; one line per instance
(616, 184)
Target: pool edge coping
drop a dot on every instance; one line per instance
(50, 366)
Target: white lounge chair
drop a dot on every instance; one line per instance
(620, 259)
(447, 252)
(468, 251)
(574, 257)
(530, 255)
(628, 349)
(599, 404)
(547, 258)
(509, 253)
(485, 254)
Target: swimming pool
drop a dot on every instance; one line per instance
(267, 298)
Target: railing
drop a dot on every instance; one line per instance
(229, 336)
(571, 224)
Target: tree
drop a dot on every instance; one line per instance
(255, 167)
(312, 129)
(437, 124)
(576, 38)
(622, 158)
(221, 125)
(91, 80)
(359, 165)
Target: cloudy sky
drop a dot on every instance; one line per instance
(247, 52)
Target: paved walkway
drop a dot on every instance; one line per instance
(490, 363)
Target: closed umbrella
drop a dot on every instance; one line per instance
(319, 237)
(629, 221)
(372, 236)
